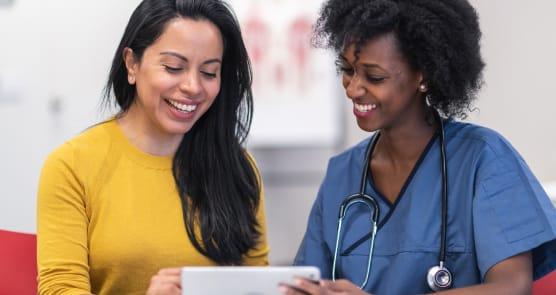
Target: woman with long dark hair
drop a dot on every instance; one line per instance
(166, 181)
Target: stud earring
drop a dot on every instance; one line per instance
(423, 88)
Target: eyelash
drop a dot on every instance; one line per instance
(209, 75)
(341, 68)
(346, 71)
(349, 72)
(173, 70)
(371, 79)
(375, 79)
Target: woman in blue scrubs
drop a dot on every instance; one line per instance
(411, 68)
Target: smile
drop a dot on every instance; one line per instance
(363, 108)
(186, 108)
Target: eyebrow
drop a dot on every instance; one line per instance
(175, 54)
(366, 65)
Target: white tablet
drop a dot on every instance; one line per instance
(241, 280)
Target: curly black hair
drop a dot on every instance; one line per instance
(440, 38)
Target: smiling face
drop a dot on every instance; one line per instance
(382, 85)
(178, 77)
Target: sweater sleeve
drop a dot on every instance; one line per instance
(259, 255)
(62, 222)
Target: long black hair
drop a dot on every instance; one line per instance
(216, 180)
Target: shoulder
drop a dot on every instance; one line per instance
(253, 166)
(84, 151)
(348, 163)
(495, 162)
(353, 153)
(250, 158)
(483, 141)
(474, 132)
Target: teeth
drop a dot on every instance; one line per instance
(364, 107)
(182, 107)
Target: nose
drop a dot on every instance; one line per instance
(190, 84)
(354, 86)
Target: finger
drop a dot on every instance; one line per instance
(163, 289)
(295, 290)
(309, 286)
(174, 280)
(286, 289)
(339, 286)
(170, 271)
(316, 282)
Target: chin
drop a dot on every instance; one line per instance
(180, 131)
(177, 129)
(366, 127)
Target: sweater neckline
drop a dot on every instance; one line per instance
(134, 153)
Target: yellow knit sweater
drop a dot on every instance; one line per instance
(109, 217)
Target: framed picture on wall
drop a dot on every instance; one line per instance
(296, 89)
(5, 3)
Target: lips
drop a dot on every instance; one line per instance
(180, 106)
(364, 108)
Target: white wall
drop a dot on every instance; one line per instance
(53, 54)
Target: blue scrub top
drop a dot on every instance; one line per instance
(496, 209)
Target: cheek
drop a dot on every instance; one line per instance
(156, 83)
(345, 81)
(212, 89)
(406, 93)
(162, 82)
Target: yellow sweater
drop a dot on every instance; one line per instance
(109, 217)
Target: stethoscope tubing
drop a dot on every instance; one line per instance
(359, 198)
(346, 204)
(444, 209)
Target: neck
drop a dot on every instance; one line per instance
(404, 143)
(146, 135)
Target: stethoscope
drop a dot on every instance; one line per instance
(438, 277)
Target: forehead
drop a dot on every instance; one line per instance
(380, 49)
(192, 38)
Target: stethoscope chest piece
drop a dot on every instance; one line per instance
(439, 278)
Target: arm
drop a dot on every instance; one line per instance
(511, 276)
(62, 222)
(313, 250)
(259, 255)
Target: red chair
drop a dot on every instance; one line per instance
(18, 263)
(545, 285)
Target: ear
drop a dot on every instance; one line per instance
(131, 65)
(423, 86)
